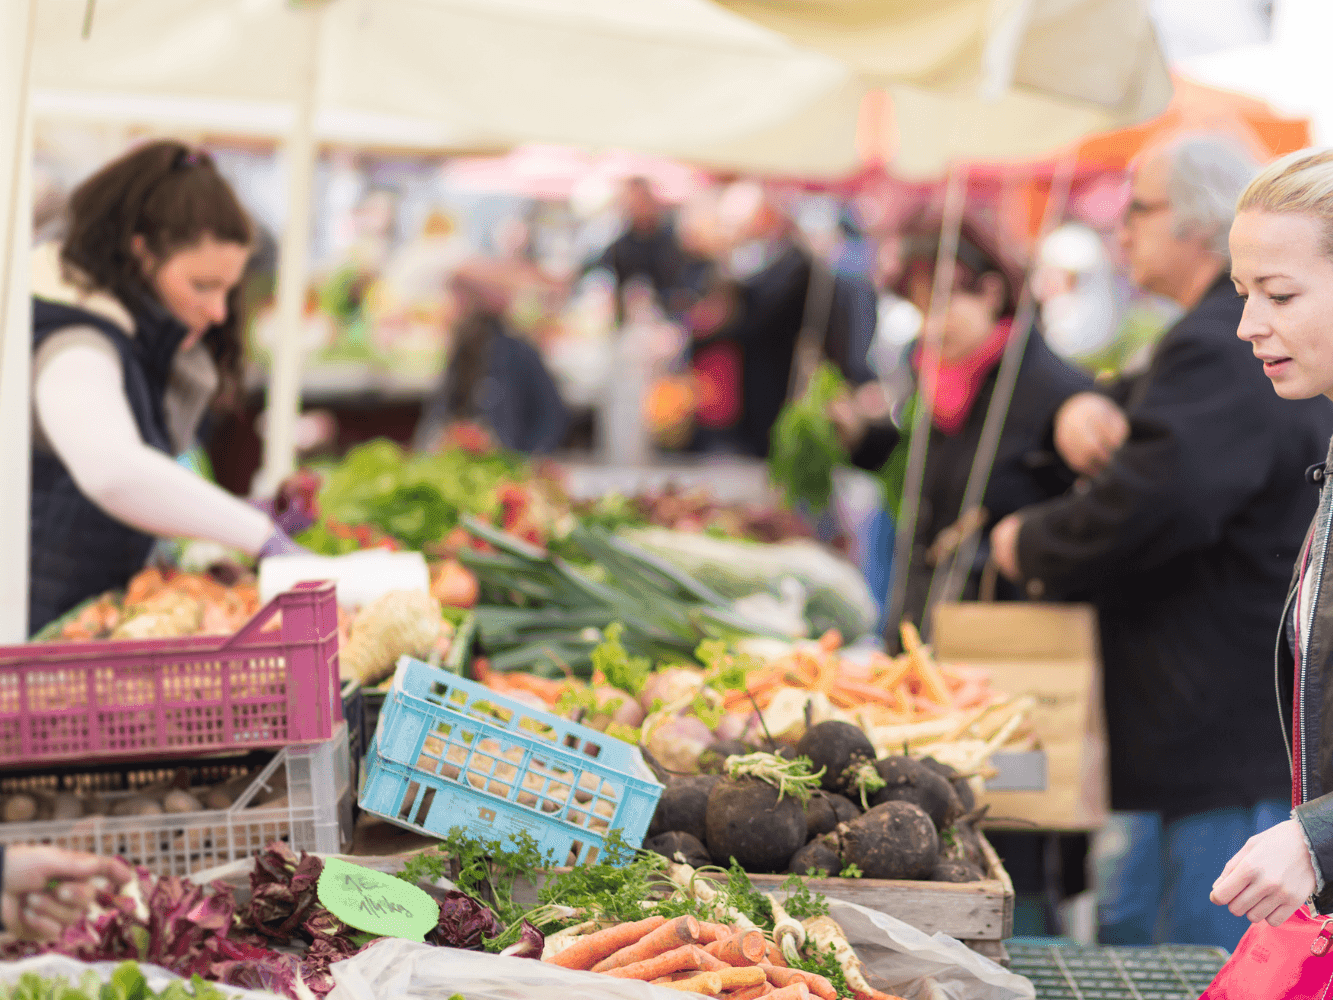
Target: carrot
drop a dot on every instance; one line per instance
(677, 960)
(877, 995)
(709, 932)
(773, 956)
(681, 931)
(711, 963)
(830, 641)
(743, 948)
(587, 952)
(796, 991)
(706, 982)
(733, 979)
(764, 989)
(817, 984)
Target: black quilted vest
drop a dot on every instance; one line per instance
(76, 550)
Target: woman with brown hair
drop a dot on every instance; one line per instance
(135, 333)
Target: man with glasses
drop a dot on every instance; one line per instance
(1183, 531)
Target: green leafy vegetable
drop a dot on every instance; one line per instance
(800, 902)
(824, 962)
(805, 444)
(789, 777)
(851, 871)
(628, 673)
(127, 982)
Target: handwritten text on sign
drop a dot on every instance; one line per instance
(375, 902)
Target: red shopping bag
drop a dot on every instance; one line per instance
(1290, 962)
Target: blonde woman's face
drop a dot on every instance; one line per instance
(1286, 279)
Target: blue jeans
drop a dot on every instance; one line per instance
(1153, 880)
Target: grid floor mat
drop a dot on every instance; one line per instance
(1075, 972)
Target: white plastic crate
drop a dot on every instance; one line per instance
(317, 816)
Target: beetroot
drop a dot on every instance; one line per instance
(815, 856)
(908, 780)
(834, 746)
(746, 821)
(682, 806)
(893, 840)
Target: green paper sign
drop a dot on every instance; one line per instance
(375, 902)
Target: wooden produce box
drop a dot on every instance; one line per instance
(979, 914)
(1051, 652)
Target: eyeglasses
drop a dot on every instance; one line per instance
(1137, 208)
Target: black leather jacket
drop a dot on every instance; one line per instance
(1310, 738)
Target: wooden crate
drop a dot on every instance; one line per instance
(979, 914)
(1052, 652)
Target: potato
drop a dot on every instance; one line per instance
(181, 802)
(20, 808)
(66, 806)
(137, 805)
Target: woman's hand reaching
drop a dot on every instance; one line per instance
(1270, 877)
(45, 889)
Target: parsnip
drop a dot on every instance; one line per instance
(788, 933)
(826, 933)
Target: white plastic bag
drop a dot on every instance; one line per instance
(901, 959)
(394, 969)
(50, 966)
(897, 957)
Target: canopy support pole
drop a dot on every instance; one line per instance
(955, 197)
(17, 24)
(284, 390)
(948, 585)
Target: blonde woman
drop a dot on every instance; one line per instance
(1282, 265)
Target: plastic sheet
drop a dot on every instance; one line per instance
(898, 958)
(50, 966)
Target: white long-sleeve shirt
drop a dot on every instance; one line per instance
(82, 414)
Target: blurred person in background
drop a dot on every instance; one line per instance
(135, 333)
(1183, 532)
(492, 378)
(647, 249)
(973, 333)
(1074, 284)
(782, 290)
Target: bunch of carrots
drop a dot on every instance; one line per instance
(694, 956)
(884, 690)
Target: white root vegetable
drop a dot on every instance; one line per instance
(558, 942)
(825, 932)
(685, 879)
(788, 933)
(137, 805)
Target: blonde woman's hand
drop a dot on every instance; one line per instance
(1270, 877)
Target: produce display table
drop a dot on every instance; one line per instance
(1076, 972)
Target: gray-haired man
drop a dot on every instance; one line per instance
(1183, 532)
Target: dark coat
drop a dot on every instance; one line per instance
(514, 396)
(771, 315)
(1026, 468)
(76, 550)
(1186, 543)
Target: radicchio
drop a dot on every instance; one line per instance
(464, 922)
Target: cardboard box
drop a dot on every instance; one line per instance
(1052, 652)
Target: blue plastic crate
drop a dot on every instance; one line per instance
(448, 752)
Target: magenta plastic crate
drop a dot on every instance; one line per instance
(273, 683)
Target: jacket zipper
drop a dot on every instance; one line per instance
(1277, 674)
(1314, 604)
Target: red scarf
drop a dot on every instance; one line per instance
(960, 381)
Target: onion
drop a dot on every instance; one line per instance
(732, 727)
(678, 742)
(671, 685)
